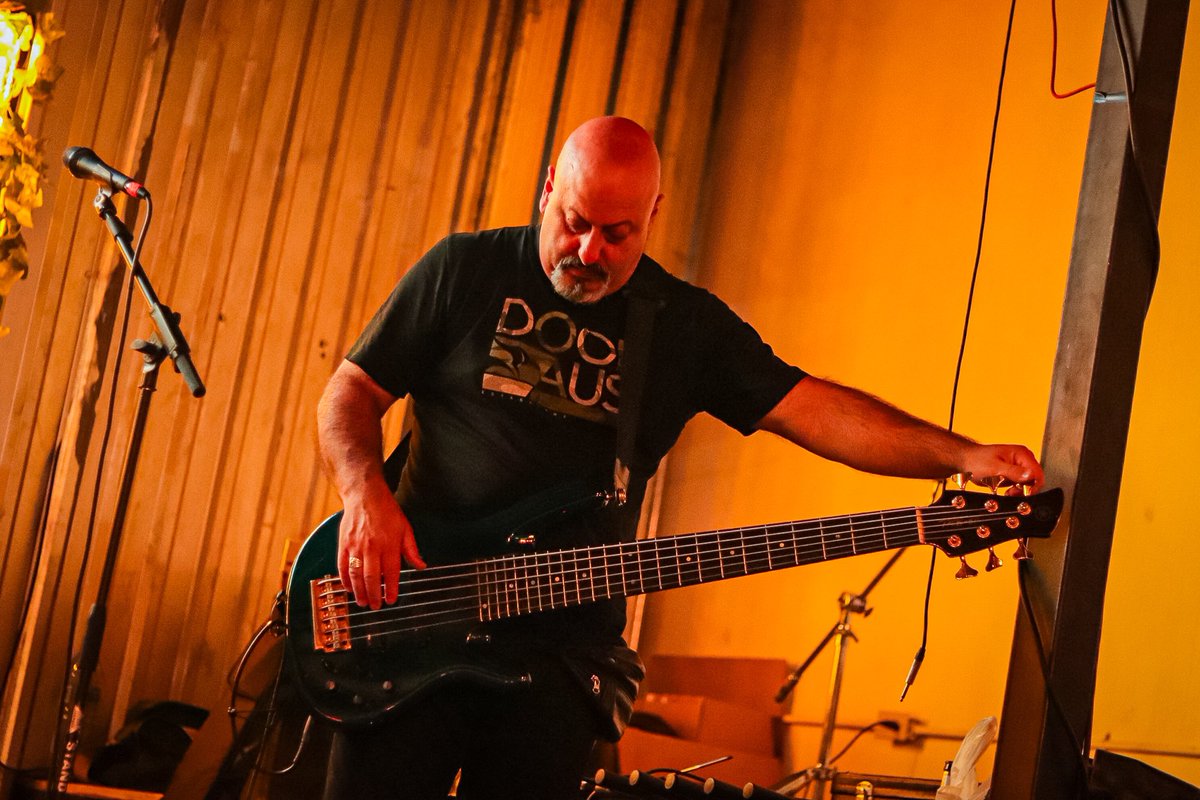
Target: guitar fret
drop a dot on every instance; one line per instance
(633, 585)
(641, 576)
(560, 579)
(821, 530)
(883, 527)
(545, 596)
(507, 586)
(514, 584)
(480, 596)
(592, 571)
(758, 541)
(495, 583)
(853, 544)
(523, 585)
(678, 564)
(579, 575)
(607, 574)
(695, 559)
(658, 563)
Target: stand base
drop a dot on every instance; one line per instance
(883, 787)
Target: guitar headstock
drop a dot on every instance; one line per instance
(962, 522)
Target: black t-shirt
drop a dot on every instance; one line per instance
(515, 391)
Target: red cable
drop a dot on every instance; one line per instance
(1054, 58)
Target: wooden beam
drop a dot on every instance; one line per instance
(1111, 279)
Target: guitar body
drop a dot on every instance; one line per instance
(374, 677)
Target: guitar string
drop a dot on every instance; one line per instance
(521, 601)
(521, 575)
(583, 561)
(818, 527)
(467, 609)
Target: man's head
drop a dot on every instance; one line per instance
(597, 205)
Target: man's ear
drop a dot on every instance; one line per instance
(547, 188)
(654, 211)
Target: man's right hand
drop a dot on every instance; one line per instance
(375, 537)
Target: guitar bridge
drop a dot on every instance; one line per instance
(330, 615)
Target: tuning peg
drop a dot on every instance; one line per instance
(994, 561)
(966, 570)
(958, 480)
(995, 483)
(1026, 489)
(1022, 553)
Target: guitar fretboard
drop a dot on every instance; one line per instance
(517, 584)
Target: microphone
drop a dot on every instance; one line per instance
(83, 163)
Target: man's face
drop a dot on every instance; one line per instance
(594, 229)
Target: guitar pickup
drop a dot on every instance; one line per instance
(330, 615)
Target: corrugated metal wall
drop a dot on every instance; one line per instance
(301, 155)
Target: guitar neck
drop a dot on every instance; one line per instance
(524, 583)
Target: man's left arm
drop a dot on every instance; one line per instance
(861, 431)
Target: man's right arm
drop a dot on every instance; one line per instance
(374, 530)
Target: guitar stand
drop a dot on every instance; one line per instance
(822, 773)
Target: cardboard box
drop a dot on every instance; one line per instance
(645, 751)
(715, 722)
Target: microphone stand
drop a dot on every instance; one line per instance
(822, 773)
(168, 340)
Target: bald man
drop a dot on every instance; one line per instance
(509, 343)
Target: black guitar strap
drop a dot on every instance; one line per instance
(394, 465)
(639, 332)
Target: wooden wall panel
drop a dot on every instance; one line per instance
(528, 104)
(302, 154)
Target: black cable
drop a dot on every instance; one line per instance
(887, 723)
(962, 346)
(1143, 187)
(1044, 663)
(59, 732)
(987, 188)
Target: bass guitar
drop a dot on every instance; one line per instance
(356, 666)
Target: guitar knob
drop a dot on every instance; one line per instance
(966, 570)
(1022, 553)
(994, 561)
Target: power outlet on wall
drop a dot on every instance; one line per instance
(905, 732)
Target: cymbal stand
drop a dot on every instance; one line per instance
(822, 773)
